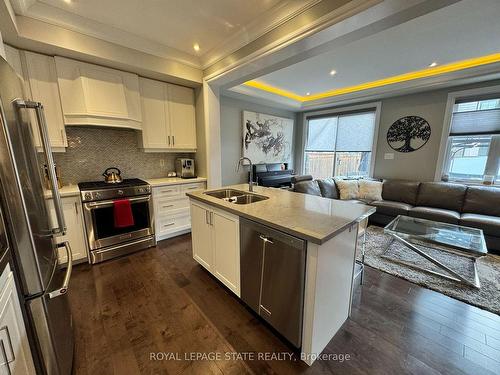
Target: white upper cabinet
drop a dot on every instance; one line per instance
(168, 117)
(95, 95)
(13, 57)
(155, 119)
(182, 118)
(38, 75)
(41, 82)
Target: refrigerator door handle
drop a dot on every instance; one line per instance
(49, 159)
(64, 288)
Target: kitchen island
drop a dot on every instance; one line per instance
(288, 256)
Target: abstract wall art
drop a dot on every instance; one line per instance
(267, 138)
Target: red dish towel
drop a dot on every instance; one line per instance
(123, 213)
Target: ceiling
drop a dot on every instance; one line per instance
(167, 28)
(464, 30)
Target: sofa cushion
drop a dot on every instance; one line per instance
(489, 224)
(391, 208)
(348, 189)
(370, 190)
(441, 195)
(400, 191)
(328, 188)
(435, 214)
(484, 200)
(304, 177)
(307, 187)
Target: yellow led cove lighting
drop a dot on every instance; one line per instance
(424, 73)
(274, 90)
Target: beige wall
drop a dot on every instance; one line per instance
(418, 165)
(421, 164)
(232, 132)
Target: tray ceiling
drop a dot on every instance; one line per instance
(465, 30)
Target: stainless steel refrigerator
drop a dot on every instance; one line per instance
(34, 242)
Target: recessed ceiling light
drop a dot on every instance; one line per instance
(196, 47)
(308, 93)
(433, 64)
(67, 1)
(333, 72)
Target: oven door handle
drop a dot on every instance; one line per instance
(92, 205)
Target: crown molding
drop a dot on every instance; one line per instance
(473, 74)
(276, 16)
(488, 62)
(273, 18)
(43, 12)
(21, 6)
(261, 97)
(317, 17)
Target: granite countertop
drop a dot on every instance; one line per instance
(65, 191)
(173, 181)
(73, 190)
(309, 217)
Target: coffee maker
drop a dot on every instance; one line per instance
(184, 168)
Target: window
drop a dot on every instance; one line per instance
(339, 145)
(473, 150)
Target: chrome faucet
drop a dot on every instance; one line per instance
(250, 182)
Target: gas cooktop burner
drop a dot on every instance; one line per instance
(100, 190)
(98, 185)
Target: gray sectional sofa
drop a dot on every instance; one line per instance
(472, 206)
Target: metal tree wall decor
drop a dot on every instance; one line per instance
(408, 134)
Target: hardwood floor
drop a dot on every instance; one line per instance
(161, 301)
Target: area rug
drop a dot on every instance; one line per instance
(487, 297)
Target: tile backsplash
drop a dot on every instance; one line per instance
(91, 150)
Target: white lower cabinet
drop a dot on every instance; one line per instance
(15, 354)
(171, 206)
(216, 243)
(75, 229)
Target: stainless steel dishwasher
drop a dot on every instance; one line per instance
(273, 276)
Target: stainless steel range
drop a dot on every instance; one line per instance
(106, 239)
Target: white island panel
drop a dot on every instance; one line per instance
(328, 290)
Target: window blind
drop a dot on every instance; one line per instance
(355, 132)
(476, 122)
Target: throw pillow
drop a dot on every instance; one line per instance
(370, 190)
(348, 189)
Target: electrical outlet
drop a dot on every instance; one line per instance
(389, 156)
(162, 163)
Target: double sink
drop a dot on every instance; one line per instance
(236, 196)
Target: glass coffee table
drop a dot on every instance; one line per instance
(463, 241)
